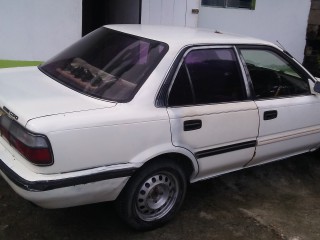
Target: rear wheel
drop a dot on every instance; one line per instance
(153, 195)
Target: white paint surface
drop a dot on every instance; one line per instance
(38, 29)
(272, 20)
(192, 18)
(168, 12)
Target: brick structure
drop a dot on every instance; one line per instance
(312, 51)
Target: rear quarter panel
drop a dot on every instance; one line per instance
(103, 137)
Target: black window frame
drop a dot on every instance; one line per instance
(225, 5)
(283, 54)
(162, 98)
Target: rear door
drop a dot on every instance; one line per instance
(289, 116)
(209, 110)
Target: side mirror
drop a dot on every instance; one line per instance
(316, 87)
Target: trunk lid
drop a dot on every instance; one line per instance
(27, 93)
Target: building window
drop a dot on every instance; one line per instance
(246, 4)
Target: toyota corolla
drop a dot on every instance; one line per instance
(134, 113)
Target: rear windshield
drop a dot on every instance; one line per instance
(106, 64)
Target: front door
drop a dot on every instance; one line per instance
(289, 116)
(209, 111)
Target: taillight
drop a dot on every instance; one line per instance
(34, 147)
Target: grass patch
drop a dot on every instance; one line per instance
(13, 63)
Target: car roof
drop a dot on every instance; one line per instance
(181, 36)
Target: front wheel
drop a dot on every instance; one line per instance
(153, 195)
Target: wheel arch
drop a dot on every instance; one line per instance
(180, 155)
(182, 160)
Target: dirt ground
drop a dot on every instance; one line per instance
(276, 201)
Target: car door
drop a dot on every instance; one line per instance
(209, 110)
(288, 111)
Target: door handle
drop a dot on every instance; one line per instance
(268, 115)
(191, 125)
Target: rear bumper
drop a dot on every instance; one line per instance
(46, 185)
(64, 189)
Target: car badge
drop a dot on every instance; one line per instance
(10, 114)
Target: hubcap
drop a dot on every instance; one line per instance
(156, 196)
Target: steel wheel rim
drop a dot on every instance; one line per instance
(157, 196)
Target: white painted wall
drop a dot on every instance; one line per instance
(165, 12)
(169, 12)
(272, 20)
(38, 29)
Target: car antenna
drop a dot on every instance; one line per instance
(280, 45)
(283, 49)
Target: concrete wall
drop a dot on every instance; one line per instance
(38, 29)
(164, 12)
(282, 20)
(169, 12)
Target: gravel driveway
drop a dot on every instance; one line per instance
(276, 201)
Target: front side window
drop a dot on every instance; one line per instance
(207, 76)
(272, 75)
(246, 4)
(106, 64)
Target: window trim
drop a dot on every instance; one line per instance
(248, 84)
(282, 53)
(225, 5)
(161, 96)
(190, 82)
(171, 77)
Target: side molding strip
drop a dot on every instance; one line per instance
(41, 186)
(225, 149)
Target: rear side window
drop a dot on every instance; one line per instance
(208, 76)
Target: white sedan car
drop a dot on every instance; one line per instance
(134, 113)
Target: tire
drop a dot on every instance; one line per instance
(153, 195)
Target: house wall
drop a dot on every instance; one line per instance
(164, 12)
(38, 29)
(272, 20)
(168, 12)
